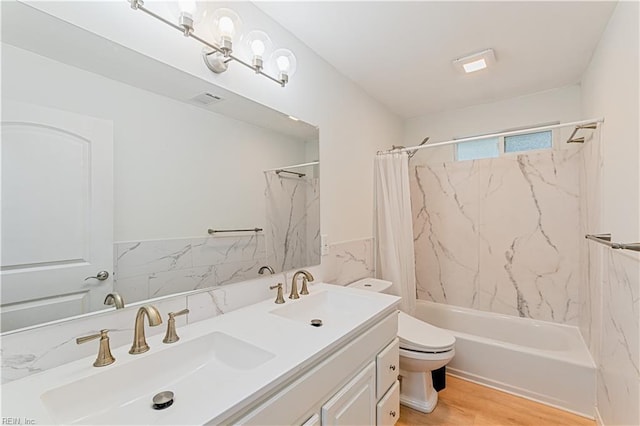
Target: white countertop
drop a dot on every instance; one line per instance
(212, 393)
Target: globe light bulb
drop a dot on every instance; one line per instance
(257, 47)
(187, 7)
(283, 63)
(226, 27)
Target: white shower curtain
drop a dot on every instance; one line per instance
(394, 227)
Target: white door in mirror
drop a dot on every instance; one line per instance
(57, 213)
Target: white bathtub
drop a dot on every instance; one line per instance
(539, 360)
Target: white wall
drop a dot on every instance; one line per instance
(352, 125)
(610, 89)
(178, 169)
(562, 104)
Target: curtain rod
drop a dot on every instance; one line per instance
(313, 163)
(493, 135)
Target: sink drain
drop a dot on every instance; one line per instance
(316, 322)
(163, 400)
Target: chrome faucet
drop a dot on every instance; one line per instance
(306, 276)
(114, 299)
(139, 342)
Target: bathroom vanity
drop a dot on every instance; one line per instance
(262, 364)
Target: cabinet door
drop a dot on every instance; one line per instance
(355, 404)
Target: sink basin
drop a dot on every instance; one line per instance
(126, 389)
(332, 307)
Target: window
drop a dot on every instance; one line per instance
(527, 142)
(495, 147)
(484, 148)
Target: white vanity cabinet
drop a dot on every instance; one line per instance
(353, 385)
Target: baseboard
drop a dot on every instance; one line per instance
(513, 390)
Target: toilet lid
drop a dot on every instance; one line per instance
(420, 336)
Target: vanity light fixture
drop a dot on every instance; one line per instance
(225, 27)
(476, 61)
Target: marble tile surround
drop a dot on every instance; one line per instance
(501, 234)
(592, 254)
(349, 261)
(609, 302)
(39, 348)
(618, 383)
(149, 269)
(293, 220)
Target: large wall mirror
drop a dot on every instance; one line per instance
(115, 166)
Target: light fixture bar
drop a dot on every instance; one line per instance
(139, 5)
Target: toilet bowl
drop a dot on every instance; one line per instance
(423, 348)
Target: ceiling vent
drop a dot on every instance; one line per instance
(206, 99)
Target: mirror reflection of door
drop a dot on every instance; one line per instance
(57, 214)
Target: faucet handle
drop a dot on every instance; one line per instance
(280, 296)
(305, 290)
(104, 352)
(172, 335)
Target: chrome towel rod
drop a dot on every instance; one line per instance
(216, 231)
(606, 240)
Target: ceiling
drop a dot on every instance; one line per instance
(401, 52)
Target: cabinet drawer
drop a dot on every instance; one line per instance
(388, 409)
(387, 367)
(313, 420)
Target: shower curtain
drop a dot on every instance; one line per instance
(394, 227)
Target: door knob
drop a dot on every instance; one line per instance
(102, 275)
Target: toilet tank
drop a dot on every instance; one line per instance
(372, 284)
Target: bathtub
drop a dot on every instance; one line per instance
(538, 360)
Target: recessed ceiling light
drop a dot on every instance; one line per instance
(478, 65)
(476, 61)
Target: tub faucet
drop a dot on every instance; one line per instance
(306, 276)
(114, 299)
(139, 342)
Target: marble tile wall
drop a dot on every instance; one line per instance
(618, 384)
(293, 220)
(149, 269)
(592, 254)
(349, 261)
(39, 348)
(501, 234)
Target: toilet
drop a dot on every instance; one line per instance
(423, 349)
